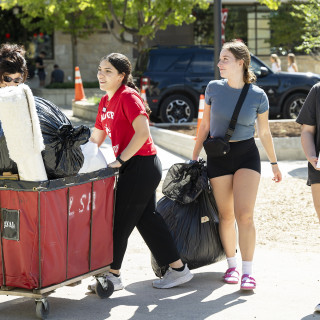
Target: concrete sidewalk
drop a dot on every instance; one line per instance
(288, 283)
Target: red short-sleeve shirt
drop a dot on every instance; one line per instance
(115, 117)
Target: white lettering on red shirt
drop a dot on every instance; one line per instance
(116, 116)
(115, 149)
(110, 115)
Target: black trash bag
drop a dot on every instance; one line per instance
(185, 181)
(195, 230)
(6, 164)
(62, 156)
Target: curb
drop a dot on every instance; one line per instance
(288, 148)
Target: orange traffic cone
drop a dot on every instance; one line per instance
(145, 102)
(143, 95)
(200, 113)
(79, 92)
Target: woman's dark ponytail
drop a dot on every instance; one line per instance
(129, 82)
(123, 65)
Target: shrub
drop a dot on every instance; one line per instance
(70, 85)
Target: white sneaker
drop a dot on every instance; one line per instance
(173, 278)
(317, 308)
(117, 282)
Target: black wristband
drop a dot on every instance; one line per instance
(119, 159)
(273, 163)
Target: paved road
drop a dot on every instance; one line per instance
(288, 284)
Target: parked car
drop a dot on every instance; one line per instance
(174, 78)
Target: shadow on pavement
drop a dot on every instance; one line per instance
(300, 173)
(194, 300)
(91, 307)
(315, 315)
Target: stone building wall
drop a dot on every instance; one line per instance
(89, 53)
(99, 44)
(305, 63)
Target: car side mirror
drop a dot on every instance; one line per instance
(263, 71)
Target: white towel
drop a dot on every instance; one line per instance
(22, 131)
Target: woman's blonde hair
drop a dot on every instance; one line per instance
(276, 59)
(292, 58)
(241, 52)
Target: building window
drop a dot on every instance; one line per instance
(42, 42)
(250, 23)
(258, 30)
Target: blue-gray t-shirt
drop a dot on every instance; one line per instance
(223, 99)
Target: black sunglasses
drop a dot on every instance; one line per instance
(9, 79)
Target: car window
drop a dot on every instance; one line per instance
(256, 67)
(161, 62)
(181, 63)
(202, 63)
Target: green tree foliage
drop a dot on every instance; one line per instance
(75, 17)
(143, 18)
(11, 29)
(135, 21)
(286, 28)
(203, 26)
(310, 13)
(236, 26)
(237, 23)
(271, 4)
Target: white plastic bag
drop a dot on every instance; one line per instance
(93, 158)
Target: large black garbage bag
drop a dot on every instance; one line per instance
(195, 230)
(185, 181)
(6, 164)
(62, 156)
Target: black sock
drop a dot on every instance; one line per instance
(179, 269)
(114, 274)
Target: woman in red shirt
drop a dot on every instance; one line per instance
(123, 117)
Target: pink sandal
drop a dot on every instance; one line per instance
(247, 282)
(231, 276)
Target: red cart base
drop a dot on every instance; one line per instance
(55, 230)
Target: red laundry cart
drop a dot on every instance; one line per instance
(56, 233)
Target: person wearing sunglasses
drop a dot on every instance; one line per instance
(13, 71)
(13, 66)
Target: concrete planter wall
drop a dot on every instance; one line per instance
(85, 110)
(63, 97)
(182, 144)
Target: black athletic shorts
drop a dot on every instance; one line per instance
(313, 175)
(41, 75)
(242, 154)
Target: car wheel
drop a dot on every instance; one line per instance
(293, 105)
(177, 109)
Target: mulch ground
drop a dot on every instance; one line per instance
(278, 129)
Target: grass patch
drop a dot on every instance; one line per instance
(94, 99)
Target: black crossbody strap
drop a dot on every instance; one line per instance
(234, 118)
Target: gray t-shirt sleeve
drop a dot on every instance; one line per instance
(208, 94)
(264, 104)
(307, 113)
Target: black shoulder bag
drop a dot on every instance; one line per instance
(217, 147)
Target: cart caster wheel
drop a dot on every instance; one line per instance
(104, 293)
(42, 309)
